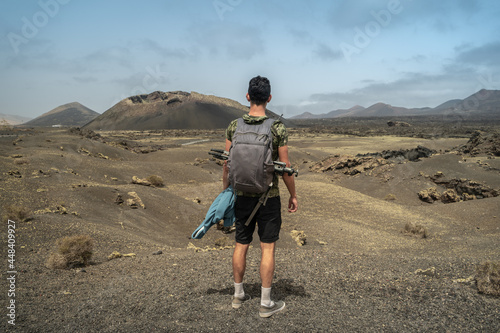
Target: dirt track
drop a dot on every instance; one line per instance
(357, 271)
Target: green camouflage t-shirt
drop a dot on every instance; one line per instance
(280, 139)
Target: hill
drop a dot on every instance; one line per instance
(170, 110)
(484, 103)
(10, 119)
(71, 114)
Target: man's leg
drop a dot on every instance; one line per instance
(267, 263)
(239, 261)
(266, 272)
(239, 265)
(267, 306)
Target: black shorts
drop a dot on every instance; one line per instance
(267, 218)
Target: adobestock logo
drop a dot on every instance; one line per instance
(363, 37)
(31, 28)
(221, 7)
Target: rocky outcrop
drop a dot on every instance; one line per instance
(456, 190)
(450, 196)
(348, 164)
(482, 143)
(391, 123)
(429, 195)
(412, 155)
(381, 161)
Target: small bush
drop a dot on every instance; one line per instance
(57, 261)
(71, 251)
(16, 213)
(416, 230)
(488, 278)
(21, 161)
(155, 180)
(390, 197)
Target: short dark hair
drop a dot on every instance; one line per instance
(259, 90)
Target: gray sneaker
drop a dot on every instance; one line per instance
(238, 301)
(265, 311)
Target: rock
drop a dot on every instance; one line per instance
(135, 201)
(348, 164)
(427, 272)
(114, 255)
(158, 252)
(139, 181)
(412, 155)
(482, 143)
(467, 196)
(14, 173)
(299, 237)
(449, 196)
(193, 247)
(391, 123)
(469, 280)
(466, 189)
(438, 174)
(488, 278)
(429, 195)
(119, 199)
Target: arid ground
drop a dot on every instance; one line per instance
(357, 271)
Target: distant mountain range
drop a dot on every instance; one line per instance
(71, 114)
(485, 103)
(183, 110)
(170, 110)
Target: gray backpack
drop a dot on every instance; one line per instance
(250, 160)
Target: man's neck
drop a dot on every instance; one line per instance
(257, 110)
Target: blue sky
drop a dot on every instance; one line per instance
(319, 55)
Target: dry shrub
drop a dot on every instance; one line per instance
(416, 230)
(57, 261)
(488, 278)
(21, 161)
(390, 197)
(155, 180)
(16, 213)
(71, 251)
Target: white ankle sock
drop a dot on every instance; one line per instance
(238, 290)
(265, 298)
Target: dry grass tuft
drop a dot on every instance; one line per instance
(416, 230)
(71, 251)
(488, 278)
(156, 181)
(16, 213)
(390, 197)
(20, 161)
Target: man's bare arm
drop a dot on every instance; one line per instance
(225, 169)
(289, 180)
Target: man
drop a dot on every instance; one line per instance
(268, 217)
